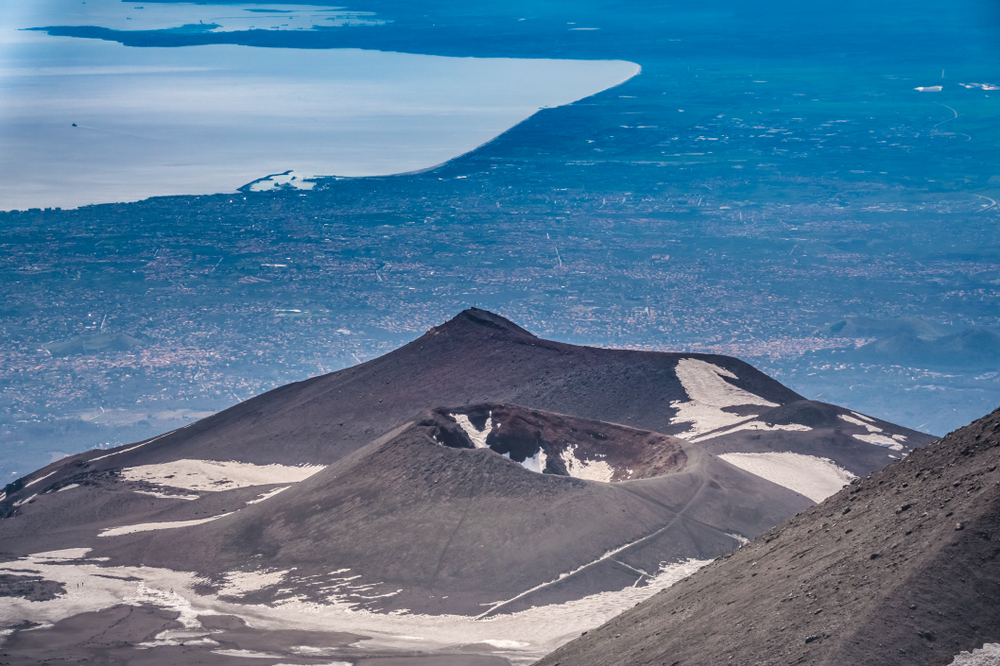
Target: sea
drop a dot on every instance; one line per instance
(86, 121)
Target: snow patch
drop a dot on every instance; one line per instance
(247, 654)
(153, 493)
(115, 453)
(202, 640)
(268, 495)
(874, 436)
(69, 487)
(589, 470)
(708, 393)
(192, 634)
(150, 527)
(176, 637)
(25, 500)
(239, 583)
(217, 475)
(880, 440)
(310, 651)
(336, 587)
(66, 555)
(859, 422)
(539, 630)
(477, 436)
(988, 655)
(39, 479)
(864, 418)
(757, 426)
(134, 447)
(816, 478)
(505, 644)
(536, 463)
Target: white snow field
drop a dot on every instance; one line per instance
(160, 495)
(536, 463)
(816, 478)
(756, 426)
(86, 121)
(874, 435)
(589, 470)
(708, 393)
(215, 475)
(477, 436)
(521, 637)
(166, 525)
(988, 655)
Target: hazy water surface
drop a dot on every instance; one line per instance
(87, 121)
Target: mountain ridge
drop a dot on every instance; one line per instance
(475, 357)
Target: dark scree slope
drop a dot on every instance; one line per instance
(901, 567)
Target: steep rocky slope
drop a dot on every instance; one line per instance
(900, 567)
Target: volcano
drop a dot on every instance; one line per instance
(479, 494)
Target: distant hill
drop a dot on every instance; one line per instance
(971, 349)
(913, 342)
(866, 327)
(92, 344)
(901, 567)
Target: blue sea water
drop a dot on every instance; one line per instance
(115, 101)
(86, 121)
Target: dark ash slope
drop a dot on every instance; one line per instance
(441, 529)
(899, 568)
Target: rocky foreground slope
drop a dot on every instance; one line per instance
(900, 567)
